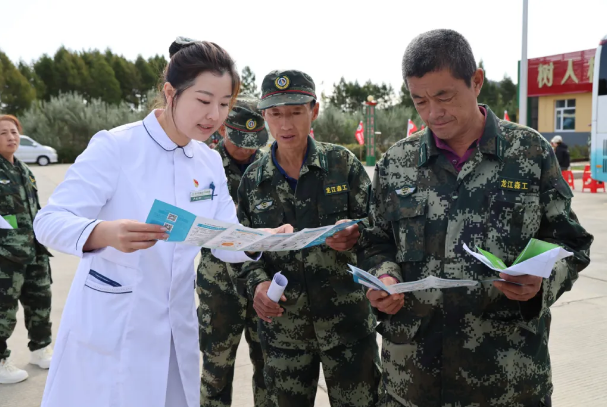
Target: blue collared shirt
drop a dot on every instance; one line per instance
(291, 181)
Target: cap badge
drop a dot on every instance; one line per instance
(251, 124)
(282, 82)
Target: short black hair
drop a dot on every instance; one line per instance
(439, 49)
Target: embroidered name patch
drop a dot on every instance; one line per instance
(336, 189)
(264, 205)
(405, 191)
(514, 184)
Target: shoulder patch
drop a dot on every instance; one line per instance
(264, 205)
(405, 191)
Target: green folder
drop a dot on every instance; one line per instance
(11, 219)
(534, 248)
(495, 261)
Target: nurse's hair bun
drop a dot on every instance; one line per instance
(179, 44)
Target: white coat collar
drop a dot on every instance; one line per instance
(157, 133)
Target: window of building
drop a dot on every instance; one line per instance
(565, 115)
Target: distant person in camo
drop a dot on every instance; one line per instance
(224, 313)
(25, 273)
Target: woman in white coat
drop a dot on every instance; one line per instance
(129, 334)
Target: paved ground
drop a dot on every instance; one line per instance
(577, 339)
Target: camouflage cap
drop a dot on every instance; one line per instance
(280, 88)
(245, 127)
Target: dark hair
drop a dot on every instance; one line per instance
(190, 59)
(439, 49)
(13, 119)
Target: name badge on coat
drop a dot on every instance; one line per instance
(201, 195)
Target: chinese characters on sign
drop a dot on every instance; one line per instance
(545, 74)
(570, 73)
(561, 74)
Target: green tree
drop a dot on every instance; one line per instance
(67, 123)
(104, 84)
(248, 85)
(149, 78)
(405, 97)
(128, 76)
(16, 93)
(45, 70)
(70, 72)
(392, 124)
(1, 76)
(508, 89)
(28, 73)
(350, 96)
(157, 63)
(336, 126)
(490, 92)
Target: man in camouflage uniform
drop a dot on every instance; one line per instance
(325, 317)
(223, 314)
(24, 263)
(475, 179)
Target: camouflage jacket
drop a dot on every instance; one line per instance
(234, 175)
(19, 197)
(324, 306)
(232, 170)
(479, 346)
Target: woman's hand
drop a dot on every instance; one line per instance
(125, 235)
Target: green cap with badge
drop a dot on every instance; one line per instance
(281, 88)
(245, 127)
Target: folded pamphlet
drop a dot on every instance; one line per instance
(369, 280)
(185, 227)
(537, 259)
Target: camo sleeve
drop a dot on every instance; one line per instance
(250, 273)
(377, 247)
(359, 183)
(559, 225)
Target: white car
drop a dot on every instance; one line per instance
(30, 151)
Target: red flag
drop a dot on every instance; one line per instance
(506, 117)
(312, 133)
(360, 136)
(411, 128)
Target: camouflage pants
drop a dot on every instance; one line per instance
(352, 374)
(30, 284)
(386, 400)
(401, 371)
(223, 315)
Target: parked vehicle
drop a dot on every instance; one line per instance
(30, 151)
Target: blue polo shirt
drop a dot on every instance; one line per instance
(291, 181)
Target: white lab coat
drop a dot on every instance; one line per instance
(115, 342)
